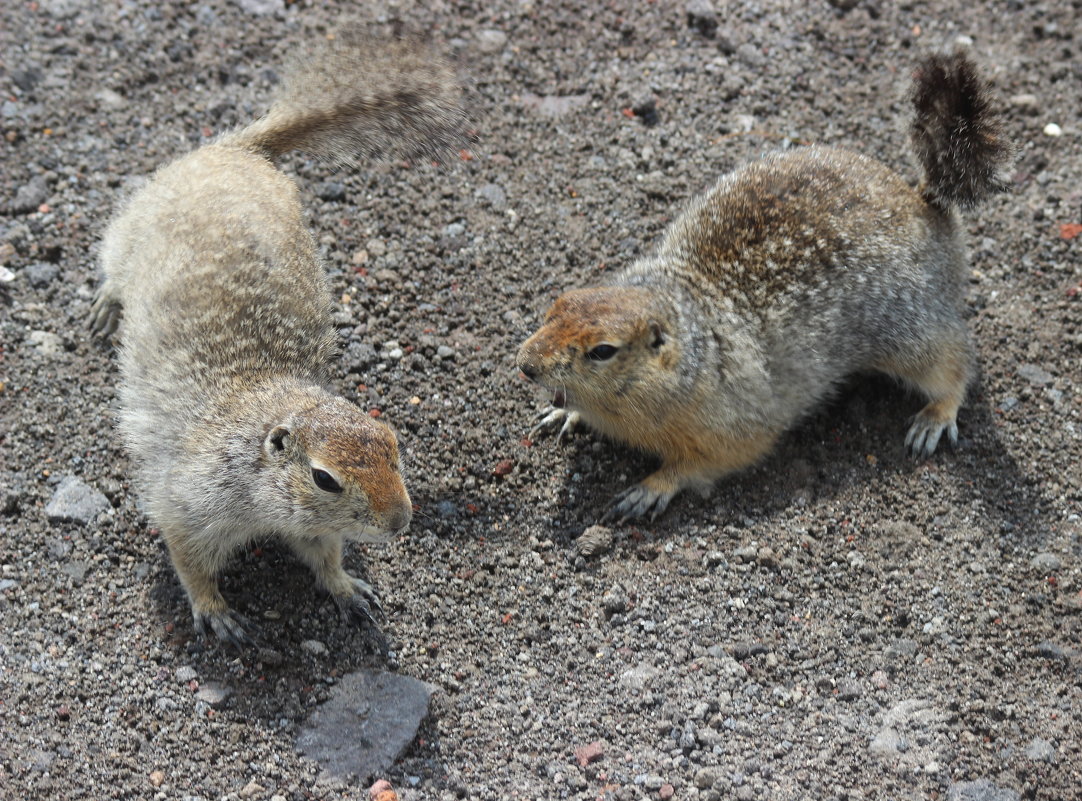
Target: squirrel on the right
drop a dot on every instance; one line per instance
(792, 273)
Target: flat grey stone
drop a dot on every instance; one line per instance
(887, 742)
(1040, 750)
(75, 502)
(980, 790)
(1046, 562)
(493, 194)
(1035, 375)
(369, 720)
(41, 274)
(554, 105)
(30, 195)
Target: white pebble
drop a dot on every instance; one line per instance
(1053, 130)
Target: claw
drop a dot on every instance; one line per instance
(926, 431)
(635, 502)
(104, 316)
(229, 626)
(361, 609)
(552, 417)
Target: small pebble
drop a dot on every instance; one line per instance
(1053, 130)
(185, 674)
(214, 694)
(74, 501)
(45, 342)
(41, 274)
(1046, 562)
(491, 41)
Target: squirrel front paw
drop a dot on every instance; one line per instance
(360, 608)
(553, 417)
(359, 605)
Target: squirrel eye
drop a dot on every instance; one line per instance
(325, 481)
(602, 353)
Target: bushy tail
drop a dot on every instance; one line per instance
(957, 137)
(358, 98)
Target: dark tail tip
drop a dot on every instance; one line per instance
(956, 134)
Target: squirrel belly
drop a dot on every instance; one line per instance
(227, 338)
(790, 274)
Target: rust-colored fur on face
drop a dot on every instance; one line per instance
(790, 274)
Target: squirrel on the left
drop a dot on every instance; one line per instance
(227, 336)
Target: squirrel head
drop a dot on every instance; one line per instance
(339, 473)
(602, 348)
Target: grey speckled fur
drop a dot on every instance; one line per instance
(790, 274)
(227, 337)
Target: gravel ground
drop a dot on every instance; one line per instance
(838, 623)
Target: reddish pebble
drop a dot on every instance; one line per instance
(1070, 230)
(374, 412)
(666, 792)
(503, 468)
(585, 754)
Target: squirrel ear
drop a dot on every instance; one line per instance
(277, 440)
(657, 335)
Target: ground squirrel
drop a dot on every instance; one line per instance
(790, 274)
(227, 336)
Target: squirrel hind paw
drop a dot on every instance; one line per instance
(230, 627)
(925, 432)
(636, 501)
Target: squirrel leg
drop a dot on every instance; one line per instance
(208, 606)
(356, 599)
(943, 376)
(700, 461)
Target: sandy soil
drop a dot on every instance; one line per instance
(838, 623)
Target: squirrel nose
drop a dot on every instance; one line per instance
(528, 370)
(400, 518)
